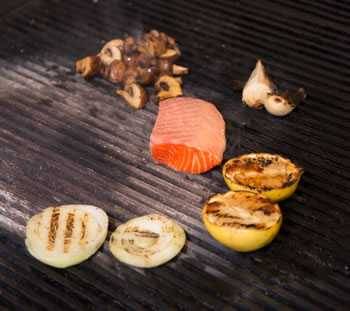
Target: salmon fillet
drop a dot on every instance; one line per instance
(188, 136)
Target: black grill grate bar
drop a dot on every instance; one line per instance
(331, 79)
(331, 154)
(43, 289)
(299, 129)
(340, 184)
(253, 25)
(87, 129)
(168, 290)
(294, 294)
(24, 287)
(162, 275)
(270, 302)
(320, 90)
(332, 12)
(79, 294)
(320, 120)
(91, 281)
(295, 22)
(16, 297)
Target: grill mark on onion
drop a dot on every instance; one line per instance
(68, 232)
(83, 227)
(52, 234)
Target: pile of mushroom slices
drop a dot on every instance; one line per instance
(136, 63)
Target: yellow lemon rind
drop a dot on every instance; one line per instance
(242, 239)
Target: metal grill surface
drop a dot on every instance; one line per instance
(65, 140)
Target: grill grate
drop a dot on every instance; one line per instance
(65, 140)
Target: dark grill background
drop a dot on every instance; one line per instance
(65, 140)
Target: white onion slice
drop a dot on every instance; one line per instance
(147, 241)
(66, 235)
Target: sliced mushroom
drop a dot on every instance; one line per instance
(179, 79)
(129, 45)
(88, 66)
(179, 70)
(165, 66)
(116, 71)
(153, 43)
(168, 87)
(146, 76)
(135, 95)
(171, 54)
(130, 75)
(171, 41)
(111, 51)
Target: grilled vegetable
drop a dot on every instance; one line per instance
(168, 87)
(282, 103)
(111, 51)
(147, 241)
(243, 221)
(136, 62)
(135, 95)
(88, 66)
(67, 235)
(179, 70)
(272, 175)
(258, 87)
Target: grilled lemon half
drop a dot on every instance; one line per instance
(243, 221)
(272, 175)
(66, 235)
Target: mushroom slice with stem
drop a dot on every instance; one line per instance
(129, 45)
(88, 66)
(111, 51)
(153, 43)
(168, 87)
(171, 54)
(179, 79)
(114, 72)
(134, 94)
(146, 76)
(179, 70)
(281, 104)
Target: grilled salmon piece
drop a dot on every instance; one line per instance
(188, 136)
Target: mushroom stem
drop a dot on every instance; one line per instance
(88, 66)
(179, 70)
(134, 95)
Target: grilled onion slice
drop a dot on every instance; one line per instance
(66, 235)
(272, 175)
(243, 221)
(147, 241)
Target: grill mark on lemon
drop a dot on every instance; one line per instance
(242, 210)
(252, 172)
